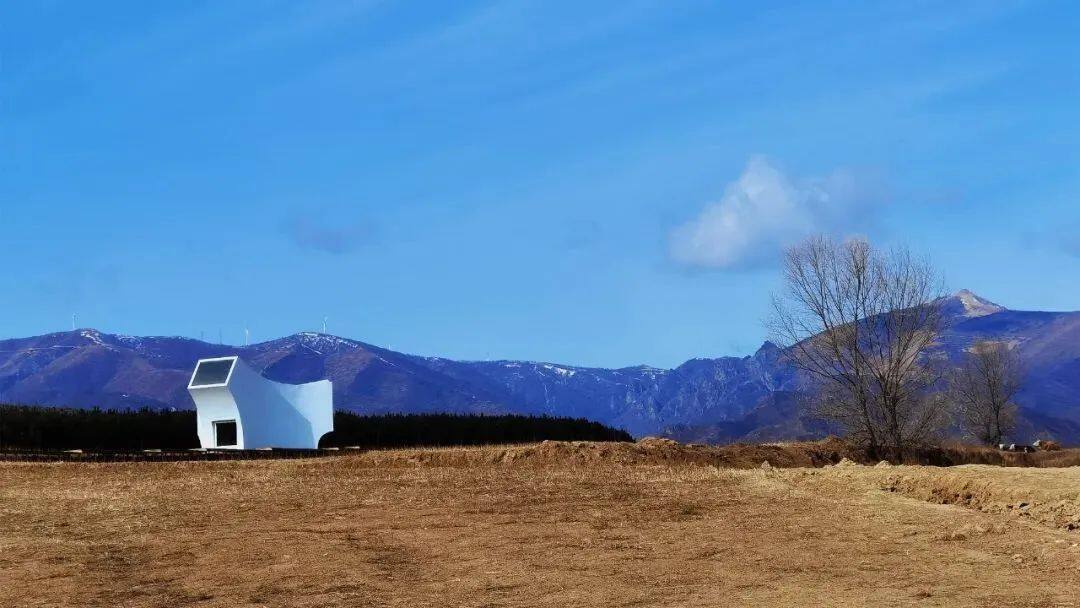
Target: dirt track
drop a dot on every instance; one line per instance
(550, 525)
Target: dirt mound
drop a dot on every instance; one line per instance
(658, 442)
(549, 453)
(1045, 496)
(663, 451)
(650, 450)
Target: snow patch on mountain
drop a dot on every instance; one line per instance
(323, 343)
(562, 371)
(92, 335)
(974, 306)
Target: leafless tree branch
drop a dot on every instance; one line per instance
(859, 322)
(981, 390)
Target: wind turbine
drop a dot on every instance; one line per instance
(324, 325)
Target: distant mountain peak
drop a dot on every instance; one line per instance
(322, 343)
(971, 305)
(767, 348)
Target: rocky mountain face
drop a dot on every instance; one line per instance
(715, 400)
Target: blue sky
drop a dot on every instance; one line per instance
(588, 183)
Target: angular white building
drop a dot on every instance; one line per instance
(237, 408)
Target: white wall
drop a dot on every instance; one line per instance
(213, 404)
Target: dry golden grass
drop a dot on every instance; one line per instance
(545, 525)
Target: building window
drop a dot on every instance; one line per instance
(225, 433)
(212, 372)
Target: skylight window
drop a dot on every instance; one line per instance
(212, 372)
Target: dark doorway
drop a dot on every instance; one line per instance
(225, 433)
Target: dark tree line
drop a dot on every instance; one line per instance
(394, 430)
(46, 428)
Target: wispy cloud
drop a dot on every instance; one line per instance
(76, 282)
(1068, 239)
(1062, 236)
(765, 210)
(316, 235)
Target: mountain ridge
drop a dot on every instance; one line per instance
(716, 399)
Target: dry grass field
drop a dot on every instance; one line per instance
(548, 525)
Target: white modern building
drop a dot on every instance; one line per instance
(237, 408)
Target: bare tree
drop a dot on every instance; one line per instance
(982, 387)
(859, 323)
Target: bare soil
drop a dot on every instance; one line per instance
(553, 524)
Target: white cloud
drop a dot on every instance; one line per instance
(764, 211)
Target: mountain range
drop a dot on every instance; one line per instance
(707, 400)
